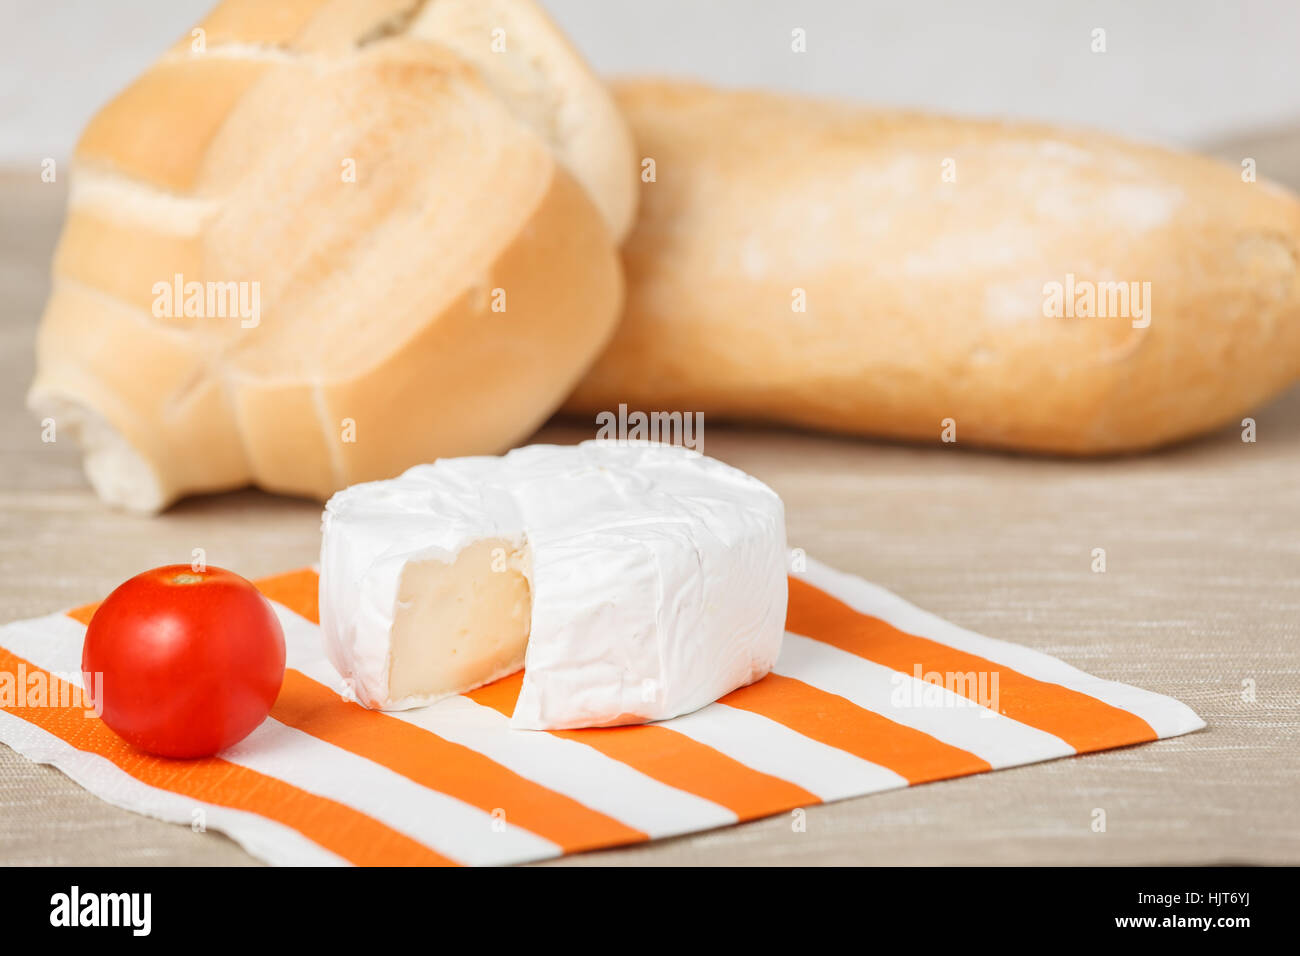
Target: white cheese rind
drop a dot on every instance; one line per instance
(657, 575)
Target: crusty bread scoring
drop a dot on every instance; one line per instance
(442, 300)
(924, 249)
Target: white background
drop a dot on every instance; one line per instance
(1184, 72)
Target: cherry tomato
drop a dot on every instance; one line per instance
(186, 662)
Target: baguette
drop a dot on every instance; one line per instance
(945, 267)
(229, 307)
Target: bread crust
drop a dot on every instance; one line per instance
(441, 301)
(925, 295)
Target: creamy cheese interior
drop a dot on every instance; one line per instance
(461, 624)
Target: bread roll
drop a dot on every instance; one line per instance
(315, 244)
(944, 266)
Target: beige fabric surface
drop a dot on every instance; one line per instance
(1201, 595)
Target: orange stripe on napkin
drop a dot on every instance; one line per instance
(840, 723)
(84, 613)
(299, 591)
(1083, 722)
(353, 835)
(445, 766)
(671, 758)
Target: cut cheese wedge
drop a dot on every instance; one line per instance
(633, 581)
